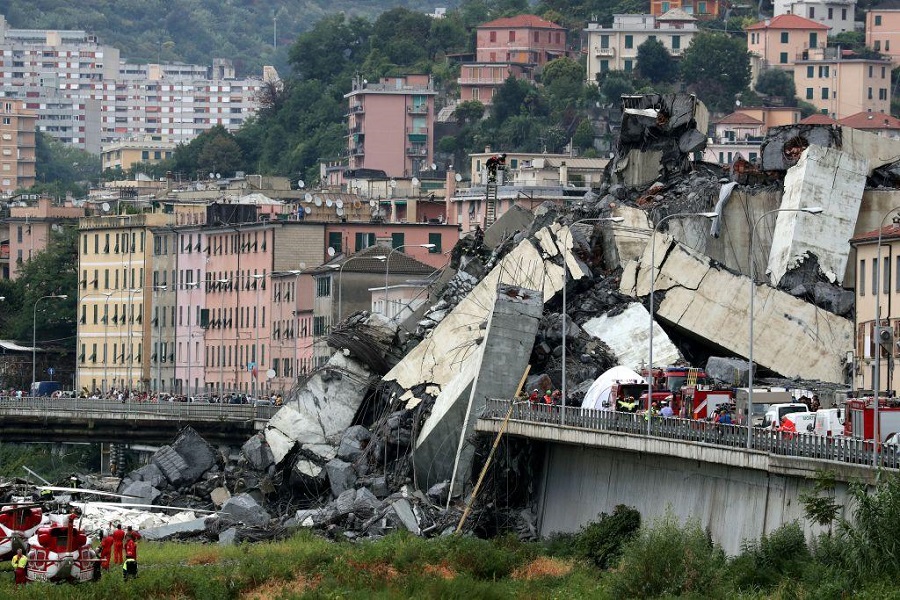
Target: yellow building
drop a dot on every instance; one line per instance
(839, 86)
(883, 31)
(126, 153)
(17, 146)
(115, 292)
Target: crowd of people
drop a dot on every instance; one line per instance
(124, 395)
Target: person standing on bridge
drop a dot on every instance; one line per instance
(118, 544)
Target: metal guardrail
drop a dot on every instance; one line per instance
(802, 445)
(196, 411)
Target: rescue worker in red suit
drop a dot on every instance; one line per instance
(129, 569)
(106, 548)
(118, 541)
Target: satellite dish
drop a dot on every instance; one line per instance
(339, 211)
(301, 184)
(308, 209)
(212, 175)
(317, 201)
(393, 183)
(339, 203)
(458, 178)
(105, 207)
(270, 373)
(55, 227)
(433, 167)
(372, 203)
(415, 181)
(218, 176)
(307, 197)
(331, 251)
(329, 202)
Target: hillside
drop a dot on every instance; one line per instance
(195, 31)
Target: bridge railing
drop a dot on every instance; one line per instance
(200, 411)
(804, 445)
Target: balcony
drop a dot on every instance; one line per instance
(421, 109)
(357, 151)
(417, 151)
(356, 108)
(604, 51)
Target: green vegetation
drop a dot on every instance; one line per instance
(53, 463)
(665, 559)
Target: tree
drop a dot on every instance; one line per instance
(584, 135)
(655, 63)
(213, 151)
(330, 48)
(776, 82)
(615, 84)
(468, 111)
(716, 67)
(62, 168)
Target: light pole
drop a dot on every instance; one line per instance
(130, 367)
(387, 270)
(707, 215)
(220, 353)
(565, 285)
(34, 333)
(257, 325)
(877, 276)
(159, 288)
(813, 210)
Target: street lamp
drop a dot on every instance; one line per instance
(877, 276)
(257, 325)
(34, 334)
(565, 285)
(707, 215)
(812, 210)
(387, 270)
(159, 288)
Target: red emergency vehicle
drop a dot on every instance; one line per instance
(690, 392)
(859, 421)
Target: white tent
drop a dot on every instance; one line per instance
(598, 395)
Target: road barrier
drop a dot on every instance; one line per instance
(84, 407)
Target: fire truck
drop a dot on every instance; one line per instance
(859, 421)
(690, 391)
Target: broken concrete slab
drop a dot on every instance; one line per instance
(171, 464)
(402, 513)
(219, 496)
(149, 473)
(514, 219)
(627, 333)
(353, 442)
(625, 241)
(258, 453)
(783, 145)
(245, 509)
(142, 492)
(198, 454)
(792, 337)
(228, 537)
(194, 526)
(727, 370)
(833, 181)
(341, 476)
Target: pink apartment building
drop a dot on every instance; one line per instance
(391, 125)
(30, 228)
(190, 344)
(782, 40)
(883, 30)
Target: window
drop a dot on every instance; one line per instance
(628, 66)
(493, 36)
(811, 71)
(397, 240)
(823, 72)
(676, 42)
(665, 7)
(877, 20)
(830, 14)
(862, 278)
(870, 93)
(537, 36)
(871, 70)
(882, 94)
(877, 45)
(334, 241)
(604, 66)
(364, 240)
(323, 286)
(783, 58)
(874, 277)
(435, 238)
(824, 93)
(604, 41)
(897, 275)
(629, 41)
(784, 37)
(843, 14)
(318, 326)
(886, 287)
(812, 12)
(512, 36)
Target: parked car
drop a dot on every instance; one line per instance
(829, 422)
(799, 422)
(777, 412)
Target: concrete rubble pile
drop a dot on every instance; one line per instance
(382, 437)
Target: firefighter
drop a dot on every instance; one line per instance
(130, 566)
(106, 547)
(534, 397)
(118, 541)
(19, 562)
(493, 164)
(627, 404)
(548, 398)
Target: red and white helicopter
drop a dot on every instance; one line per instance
(18, 522)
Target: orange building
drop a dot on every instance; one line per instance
(783, 40)
(700, 9)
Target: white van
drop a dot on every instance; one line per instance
(776, 413)
(804, 422)
(830, 422)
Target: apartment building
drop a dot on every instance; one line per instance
(615, 48)
(838, 15)
(30, 228)
(510, 46)
(841, 86)
(124, 154)
(883, 29)
(17, 146)
(86, 95)
(391, 124)
(702, 9)
(782, 40)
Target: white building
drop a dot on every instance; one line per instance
(615, 48)
(837, 14)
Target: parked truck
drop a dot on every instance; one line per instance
(859, 420)
(763, 398)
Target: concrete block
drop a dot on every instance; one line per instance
(143, 492)
(171, 464)
(792, 337)
(833, 180)
(353, 443)
(258, 453)
(341, 476)
(628, 335)
(731, 371)
(402, 513)
(185, 528)
(149, 473)
(245, 509)
(198, 454)
(219, 496)
(365, 504)
(228, 537)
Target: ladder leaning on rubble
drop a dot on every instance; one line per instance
(490, 204)
(487, 463)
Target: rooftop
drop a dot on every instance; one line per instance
(521, 21)
(871, 120)
(739, 118)
(787, 22)
(365, 261)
